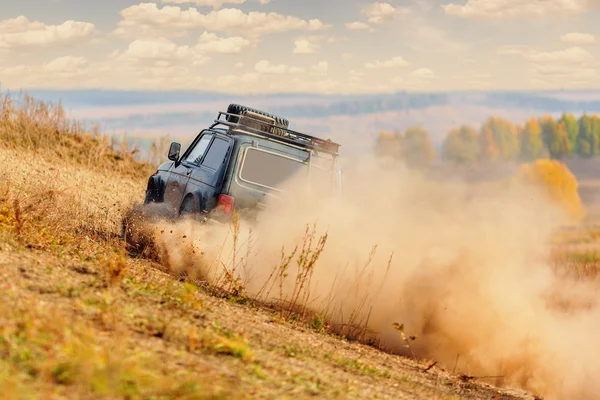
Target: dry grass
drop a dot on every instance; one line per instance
(81, 318)
(44, 130)
(577, 260)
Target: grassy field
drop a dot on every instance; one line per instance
(82, 317)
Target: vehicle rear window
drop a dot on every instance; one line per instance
(268, 169)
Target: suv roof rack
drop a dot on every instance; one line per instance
(265, 126)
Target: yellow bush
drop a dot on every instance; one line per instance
(557, 182)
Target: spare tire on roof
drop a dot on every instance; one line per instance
(238, 109)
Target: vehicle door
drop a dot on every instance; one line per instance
(206, 181)
(181, 170)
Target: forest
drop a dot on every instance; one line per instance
(497, 140)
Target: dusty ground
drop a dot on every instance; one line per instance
(81, 319)
(239, 351)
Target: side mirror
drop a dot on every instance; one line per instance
(174, 151)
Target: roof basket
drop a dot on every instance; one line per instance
(270, 126)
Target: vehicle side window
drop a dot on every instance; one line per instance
(216, 154)
(198, 151)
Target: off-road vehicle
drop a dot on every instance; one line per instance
(238, 162)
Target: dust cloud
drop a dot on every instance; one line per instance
(463, 266)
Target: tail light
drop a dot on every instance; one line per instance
(225, 203)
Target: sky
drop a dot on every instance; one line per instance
(316, 46)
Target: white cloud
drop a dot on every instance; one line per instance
(229, 80)
(159, 53)
(321, 68)
(394, 62)
(347, 56)
(417, 79)
(66, 65)
(429, 38)
(305, 46)
(164, 52)
(216, 4)
(378, 13)
(265, 67)
(317, 25)
(19, 25)
(578, 38)
(19, 33)
(300, 84)
(358, 26)
(310, 44)
(239, 65)
(211, 43)
(157, 49)
(423, 74)
(516, 8)
(169, 21)
(59, 70)
(572, 55)
(572, 66)
(160, 74)
(327, 38)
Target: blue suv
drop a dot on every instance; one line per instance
(238, 162)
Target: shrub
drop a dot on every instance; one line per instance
(557, 182)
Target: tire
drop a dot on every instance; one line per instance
(188, 208)
(152, 193)
(149, 197)
(238, 109)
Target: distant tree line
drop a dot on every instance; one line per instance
(498, 140)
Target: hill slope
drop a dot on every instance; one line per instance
(82, 318)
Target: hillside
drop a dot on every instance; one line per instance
(81, 317)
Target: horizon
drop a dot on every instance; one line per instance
(146, 115)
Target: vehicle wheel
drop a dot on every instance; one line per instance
(149, 197)
(189, 209)
(238, 109)
(152, 195)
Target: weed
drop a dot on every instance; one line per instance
(258, 372)
(318, 323)
(234, 347)
(115, 268)
(306, 263)
(231, 281)
(293, 350)
(406, 339)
